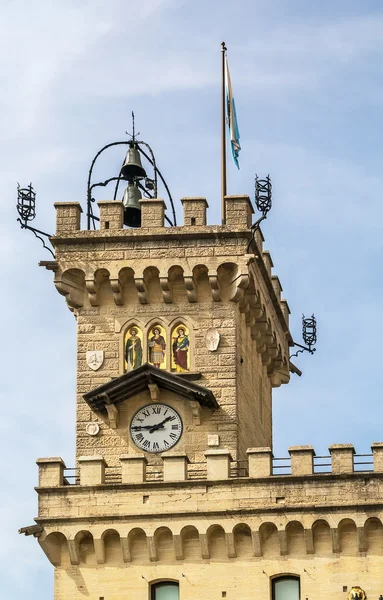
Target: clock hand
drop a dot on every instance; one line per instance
(139, 427)
(159, 425)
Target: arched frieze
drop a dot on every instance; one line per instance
(112, 546)
(295, 538)
(84, 544)
(269, 539)
(217, 542)
(347, 535)
(243, 541)
(164, 544)
(151, 277)
(138, 545)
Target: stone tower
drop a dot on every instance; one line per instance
(182, 334)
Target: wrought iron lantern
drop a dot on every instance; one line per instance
(309, 335)
(262, 197)
(26, 207)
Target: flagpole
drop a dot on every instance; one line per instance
(223, 149)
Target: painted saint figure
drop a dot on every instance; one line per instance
(180, 350)
(157, 347)
(133, 354)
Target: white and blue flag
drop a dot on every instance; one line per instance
(232, 120)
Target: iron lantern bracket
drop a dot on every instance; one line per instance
(303, 349)
(38, 234)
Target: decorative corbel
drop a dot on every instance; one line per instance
(215, 288)
(112, 411)
(99, 550)
(92, 289)
(73, 295)
(116, 286)
(142, 290)
(178, 550)
(154, 391)
(125, 550)
(191, 288)
(196, 412)
(73, 552)
(152, 550)
(240, 285)
(166, 291)
(205, 553)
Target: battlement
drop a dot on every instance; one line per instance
(268, 513)
(218, 466)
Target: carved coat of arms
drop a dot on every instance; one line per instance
(356, 593)
(212, 339)
(94, 359)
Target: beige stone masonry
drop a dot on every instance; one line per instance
(111, 215)
(68, 216)
(285, 310)
(218, 464)
(239, 211)
(377, 452)
(92, 470)
(342, 457)
(152, 212)
(175, 466)
(194, 211)
(302, 460)
(267, 261)
(277, 286)
(260, 462)
(133, 468)
(51, 471)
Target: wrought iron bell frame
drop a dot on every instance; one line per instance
(149, 155)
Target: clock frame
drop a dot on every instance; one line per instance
(156, 428)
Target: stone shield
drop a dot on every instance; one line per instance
(94, 359)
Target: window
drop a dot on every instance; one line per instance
(166, 590)
(286, 588)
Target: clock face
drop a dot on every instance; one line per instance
(156, 428)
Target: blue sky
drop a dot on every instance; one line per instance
(308, 87)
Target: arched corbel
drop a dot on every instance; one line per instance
(142, 290)
(74, 555)
(191, 288)
(116, 286)
(215, 288)
(240, 284)
(71, 289)
(166, 290)
(92, 289)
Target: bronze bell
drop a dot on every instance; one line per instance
(132, 166)
(132, 208)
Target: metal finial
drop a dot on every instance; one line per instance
(133, 135)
